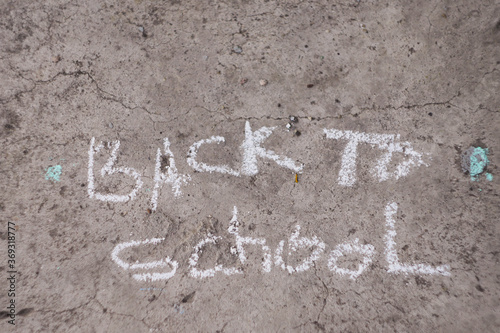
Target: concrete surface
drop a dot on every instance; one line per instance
(141, 71)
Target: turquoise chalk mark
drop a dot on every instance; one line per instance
(478, 161)
(489, 177)
(54, 173)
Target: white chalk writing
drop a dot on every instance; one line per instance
(390, 250)
(148, 265)
(252, 150)
(387, 142)
(347, 248)
(109, 169)
(294, 243)
(202, 167)
(172, 176)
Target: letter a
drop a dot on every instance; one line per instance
(172, 176)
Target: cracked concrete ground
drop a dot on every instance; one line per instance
(142, 71)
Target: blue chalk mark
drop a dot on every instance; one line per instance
(478, 161)
(489, 177)
(54, 173)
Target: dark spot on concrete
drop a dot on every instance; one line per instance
(189, 298)
(319, 326)
(351, 232)
(53, 233)
(165, 162)
(21, 37)
(481, 289)
(63, 190)
(405, 247)
(310, 85)
(3, 314)
(337, 100)
(422, 282)
(3, 235)
(430, 114)
(25, 311)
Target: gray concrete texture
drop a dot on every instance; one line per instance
(142, 71)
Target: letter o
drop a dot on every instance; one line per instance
(347, 248)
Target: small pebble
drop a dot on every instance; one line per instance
(310, 85)
(237, 49)
(289, 126)
(110, 125)
(205, 57)
(293, 119)
(143, 31)
(263, 83)
(297, 133)
(243, 81)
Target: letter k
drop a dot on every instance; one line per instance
(252, 149)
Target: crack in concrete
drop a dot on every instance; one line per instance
(327, 292)
(102, 93)
(113, 313)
